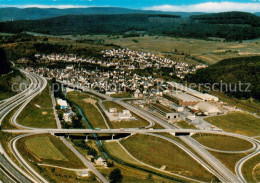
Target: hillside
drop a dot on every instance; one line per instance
(233, 71)
(5, 67)
(236, 18)
(152, 24)
(9, 14)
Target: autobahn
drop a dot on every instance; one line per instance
(224, 174)
(37, 85)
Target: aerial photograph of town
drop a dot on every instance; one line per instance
(129, 91)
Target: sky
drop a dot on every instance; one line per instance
(162, 5)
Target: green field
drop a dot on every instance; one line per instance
(208, 51)
(140, 122)
(37, 146)
(237, 122)
(221, 142)
(158, 153)
(251, 170)
(48, 149)
(130, 174)
(39, 112)
(116, 150)
(86, 103)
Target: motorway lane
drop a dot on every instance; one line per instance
(23, 162)
(13, 171)
(8, 106)
(4, 177)
(226, 174)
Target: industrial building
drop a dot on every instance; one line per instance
(197, 94)
(176, 107)
(207, 108)
(164, 111)
(182, 98)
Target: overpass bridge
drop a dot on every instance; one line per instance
(109, 131)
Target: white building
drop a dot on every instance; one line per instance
(63, 103)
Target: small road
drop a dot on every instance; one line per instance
(86, 163)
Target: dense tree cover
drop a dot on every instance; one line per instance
(10, 14)
(229, 18)
(116, 176)
(238, 28)
(232, 71)
(4, 65)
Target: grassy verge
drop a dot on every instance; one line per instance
(140, 122)
(165, 154)
(221, 142)
(229, 160)
(117, 151)
(122, 95)
(39, 112)
(237, 122)
(86, 103)
(185, 125)
(250, 171)
(6, 123)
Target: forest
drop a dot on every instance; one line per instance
(232, 71)
(233, 26)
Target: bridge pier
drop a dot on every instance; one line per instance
(86, 139)
(113, 136)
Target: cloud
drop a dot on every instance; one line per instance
(46, 6)
(209, 7)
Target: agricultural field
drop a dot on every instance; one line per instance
(223, 143)
(178, 48)
(39, 112)
(237, 122)
(165, 155)
(140, 122)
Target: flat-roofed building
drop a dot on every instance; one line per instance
(182, 98)
(177, 107)
(202, 96)
(164, 111)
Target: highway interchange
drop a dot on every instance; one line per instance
(11, 172)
